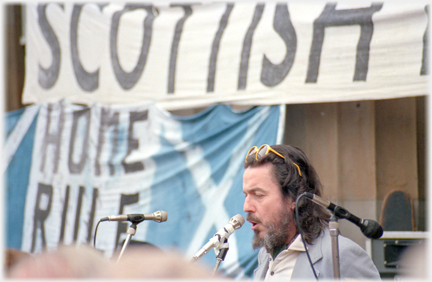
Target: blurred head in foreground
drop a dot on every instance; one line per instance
(12, 257)
(142, 262)
(65, 262)
(414, 262)
(87, 262)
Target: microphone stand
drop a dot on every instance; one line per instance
(131, 231)
(220, 257)
(334, 234)
(370, 228)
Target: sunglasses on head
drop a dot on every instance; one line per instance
(264, 150)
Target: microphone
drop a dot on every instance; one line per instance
(159, 216)
(369, 227)
(220, 237)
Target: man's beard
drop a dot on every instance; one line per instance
(276, 236)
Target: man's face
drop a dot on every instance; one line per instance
(271, 216)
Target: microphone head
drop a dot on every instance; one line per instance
(372, 229)
(164, 216)
(237, 221)
(160, 216)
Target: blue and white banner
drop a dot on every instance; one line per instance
(70, 165)
(195, 54)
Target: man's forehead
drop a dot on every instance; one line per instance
(259, 178)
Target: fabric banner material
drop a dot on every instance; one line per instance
(71, 165)
(197, 54)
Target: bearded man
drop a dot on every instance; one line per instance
(273, 179)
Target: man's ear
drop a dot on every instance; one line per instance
(292, 205)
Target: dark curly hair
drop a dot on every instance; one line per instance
(312, 217)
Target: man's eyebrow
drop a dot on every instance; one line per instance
(257, 189)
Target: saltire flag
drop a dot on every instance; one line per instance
(67, 166)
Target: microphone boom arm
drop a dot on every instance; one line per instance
(370, 228)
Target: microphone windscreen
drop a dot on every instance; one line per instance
(164, 216)
(237, 221)
(372, 229)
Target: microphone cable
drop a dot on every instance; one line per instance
(94, 239)
(301, 235)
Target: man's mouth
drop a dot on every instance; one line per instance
(254, 221)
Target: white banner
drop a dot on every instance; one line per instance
(192, 55)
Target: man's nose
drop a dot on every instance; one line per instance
(248, 206)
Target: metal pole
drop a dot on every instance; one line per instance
(220, 257)
(131, 231)
(334, 233)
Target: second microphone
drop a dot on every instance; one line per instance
(158, 216)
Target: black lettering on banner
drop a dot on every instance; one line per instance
(88, 81)
(124, 201)
(78, 213)
(52, 138)
(128, 79)
(175, 43)
(78, 167)
(215, 47)
(272, 74)
(92, 214)
(332, 17)
(107, 121)
(64, 214)
(40, 215)
(425, 58)
(48, 76)
(133, 143)
(247, 44)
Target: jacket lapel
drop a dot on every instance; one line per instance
(315, 253)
